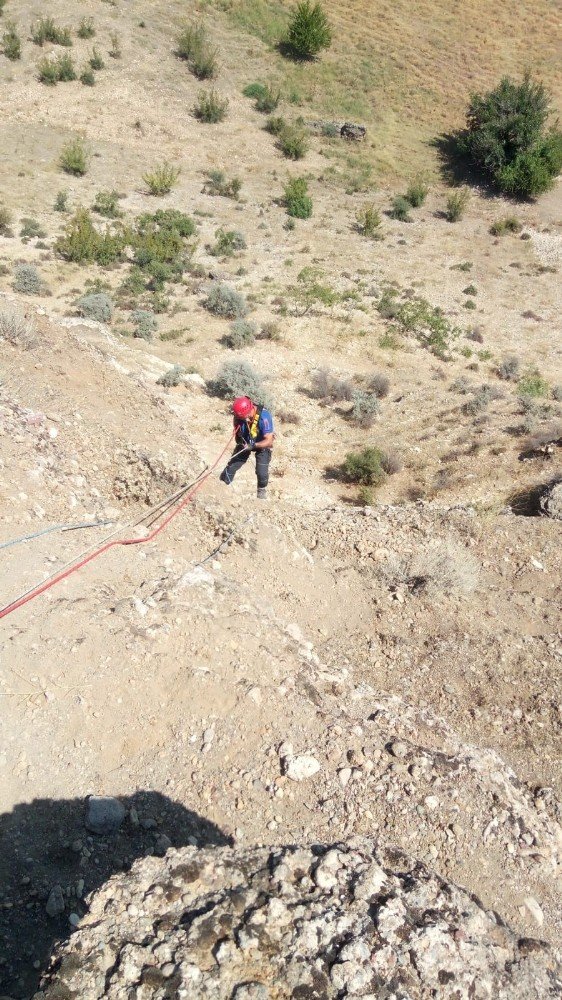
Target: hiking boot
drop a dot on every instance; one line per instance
(262, 493)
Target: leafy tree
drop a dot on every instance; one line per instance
(508, 140)
(309, 30)
(310, 291)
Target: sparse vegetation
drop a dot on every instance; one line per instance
(509, 224)
(242, 333)
(309, 30)
(369, 222)
(364, 467)
(162, 179)
(82, 243)
(6, 219)
(86, 28)
(266, 97)
(366, 407)
(87, 77)
(115, 51)
(400, 209)
(75, 158)
(97, 306)
(194, 47)
(533, 385)
(380, 385)
(508, 139)
(275, 125)
(16, 329)
(31, 229)
(11, 42)
(27, 280)
(270, 331)
(172, 378)
(457, 203)
(238, 378)
(45, 30)
(309, 291)
(217, 183)
(417, 192)
(417, 316)
(224, 300)
(210, 107)
(330, 388)
(106, 203)
(228, 242)
(293, 142)
(444, 568)
(61, 202)
(297, 200)
(509, 368)
(96, 61)
(144, 323)
(480, 400)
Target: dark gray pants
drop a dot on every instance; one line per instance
(263, 458)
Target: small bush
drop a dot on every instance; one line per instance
(509, 367)
(391, 463)
(557, 393)
(96, 61)
(6, 219)
(45, 30)
(49, 70)
(81, 242)
(210, 107)
(228, 242)
(309, 30)
(87, 78)
(380, 385)
(115, 51)
(293, 142)
(171, 378)
(145, 324)
(417, 193)
(16, 329)
(275, 125)
(27, 280)
(533, 385)
(75, 158)
(330, 388)
(366, 496)
(96, 305)
(162, 179)
(267, 100)
(241, 334)
(61, 202)
(509, 224)
(364, 467)
(106, 203)
(194, 47)
(223, 300)
(457, 203)
(309, 291)
(270, 331)
(218, 184)
(297, 200)
(238, 378)
(86, 28)
(480, 400)
(366, 407)
(31, 230)
(369, 222)
(11, 42)
(400, 209)
(254, 90)
(443, 569)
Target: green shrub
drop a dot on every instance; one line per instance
(224, 300)
(310, 291)
(469, 304)
(11, 42)
(193, 46)
(470, 290)
(417, 316)
(115, 51)
(268, 99)
(330, 388)
(242, 333)
(380, 385)
(145, 324)
(228, 242)
(417, 192)
(293, 142)
(45, 30)
(27, 280)
(238, 378)
(86, 28)
(400, 209)
(172, 378)
(87, 78)
(369, 222)
(96, 61)
(61, 202)
(509, 224)
(366, 406)
(270, 331)
(533, 385)
(75, 158)
(210, 107)
(309, 30)
(218, 184)
(480, 400)
(508, 140)
(254, 90)
(81, 243)
(297, 200)
(275, 125)
(2, 5)
(48, 72)
(456, 205)
(106, 203)
(509, 367)
(31, 230)
(96, 305)
(364, 467)
(6, 219)
(162, 179)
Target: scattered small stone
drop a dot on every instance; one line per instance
(104, 814)
(55, 903)
(300, 768)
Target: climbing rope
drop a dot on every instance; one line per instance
(56, 527)
(171, 506)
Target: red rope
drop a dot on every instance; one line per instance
(109, 545)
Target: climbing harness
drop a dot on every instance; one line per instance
(171, 506)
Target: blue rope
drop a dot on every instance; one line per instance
(58, 527)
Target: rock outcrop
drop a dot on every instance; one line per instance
(312, 923)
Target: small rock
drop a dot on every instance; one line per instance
(55, 902)
(531, 905)
(104, 814)
(399, 749)
(163, 843)
(74, 919)
(299, 768)
(344, 774)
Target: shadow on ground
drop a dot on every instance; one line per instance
(45, 843)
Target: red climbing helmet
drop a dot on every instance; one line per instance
(242, 407)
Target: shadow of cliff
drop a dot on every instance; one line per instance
(45, 843)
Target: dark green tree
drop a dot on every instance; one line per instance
(309, 30)
(508, 139)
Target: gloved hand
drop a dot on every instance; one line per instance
(250, 445)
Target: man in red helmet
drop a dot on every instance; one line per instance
(254, 432)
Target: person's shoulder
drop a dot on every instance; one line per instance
(266, 418)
